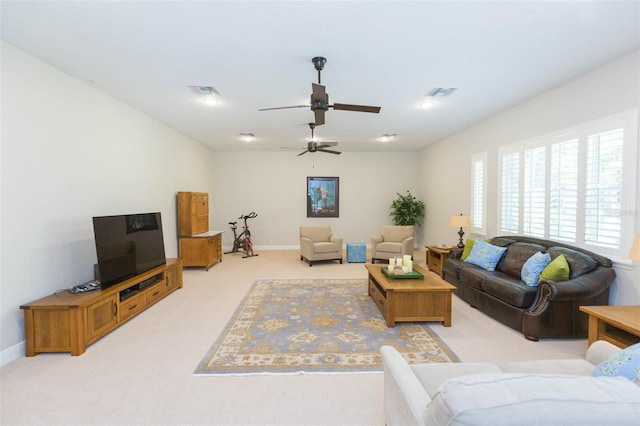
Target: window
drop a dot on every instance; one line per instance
(479, 193)
(574, 185)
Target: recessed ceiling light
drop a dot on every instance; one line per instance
(427, 104)
(210, 101)
(388, 137)
(247, 137)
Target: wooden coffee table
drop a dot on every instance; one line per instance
(619, 325)
(404, 300)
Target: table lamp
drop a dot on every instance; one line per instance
(634, 251)
(461, 221)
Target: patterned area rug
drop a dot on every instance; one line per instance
(314, 326)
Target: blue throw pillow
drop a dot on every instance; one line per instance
(625, 363)
(485, 255)
(533, 267)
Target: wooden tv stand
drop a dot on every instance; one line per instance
(66, 322)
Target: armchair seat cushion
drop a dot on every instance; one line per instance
(390, 247)
(324, 247)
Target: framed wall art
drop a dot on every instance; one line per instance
(323, 196)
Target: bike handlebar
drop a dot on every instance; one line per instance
(249, 216)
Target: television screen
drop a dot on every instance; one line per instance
(127, 245)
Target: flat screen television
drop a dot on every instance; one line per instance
(127, 245)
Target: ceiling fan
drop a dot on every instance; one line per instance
(320, 99)
(314, 146)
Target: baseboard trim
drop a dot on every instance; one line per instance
(11, 354)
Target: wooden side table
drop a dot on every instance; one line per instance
(619, 325)
(435, 258)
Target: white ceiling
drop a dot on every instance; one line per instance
(386, 53)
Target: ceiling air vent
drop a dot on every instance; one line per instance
(441, 92)
(205, 90)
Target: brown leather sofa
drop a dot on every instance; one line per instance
(550, 309)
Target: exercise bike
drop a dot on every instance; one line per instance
(242, 241)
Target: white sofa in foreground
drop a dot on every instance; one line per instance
(549, 392)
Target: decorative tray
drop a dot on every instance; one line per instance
(413, 275)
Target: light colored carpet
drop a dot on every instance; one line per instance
(142, 372)
(314, 326)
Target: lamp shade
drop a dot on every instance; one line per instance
(460, 221)
(634, 252)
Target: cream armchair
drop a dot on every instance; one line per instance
(393, 241)
(319, 243)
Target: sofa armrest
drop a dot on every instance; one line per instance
(583, 287)
(338, 241)
(374, 242)
(306, 247)
(408, 246)
(404, 396)
(455, 253)
(600, 350)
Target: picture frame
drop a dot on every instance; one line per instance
(323, 196)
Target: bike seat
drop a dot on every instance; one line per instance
(233, 223)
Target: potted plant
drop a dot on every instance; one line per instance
(407, 210)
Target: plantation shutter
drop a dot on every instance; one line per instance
(510, 193)
(563, 191)
(534, 191)
(478, 194)
(603, 192)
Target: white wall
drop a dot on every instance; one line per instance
(70, 152)
(273, 184)
(605, 91)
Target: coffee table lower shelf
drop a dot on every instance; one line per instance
(414, 300)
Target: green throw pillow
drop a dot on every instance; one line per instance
(467, 248)
(557, 270)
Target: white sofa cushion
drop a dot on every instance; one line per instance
(524, 399)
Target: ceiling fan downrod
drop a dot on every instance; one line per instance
(319, 62)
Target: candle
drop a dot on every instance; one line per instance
(410, 265)
(399, 261)
(406, 259)
(392, 263)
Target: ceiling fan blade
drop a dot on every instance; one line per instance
(358, 108)
(302, 153)
(319, 117)
(327, 144)
(329, 151)
(287, 107)
(318, 93)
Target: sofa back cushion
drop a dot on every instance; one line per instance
(579, 263)
(396, 234)
(534, 399)
(517, 254)
(316, 233)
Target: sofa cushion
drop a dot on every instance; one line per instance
(474, 277)
(579, 263)
(499, 399)
(390, 248)
(556, 270)
(516, 256)
(509, 289)
(533, 267)
(325, 247)
(485, 255)
(431, 376)
(625, 363)
(576, 367)
(467, 248)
